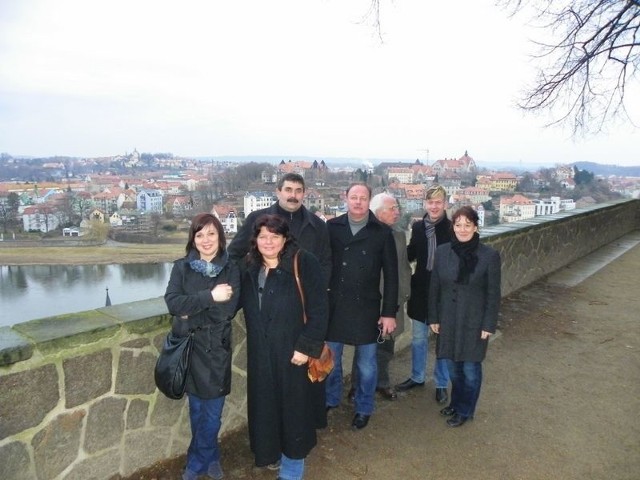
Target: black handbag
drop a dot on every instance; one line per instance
(173, 365)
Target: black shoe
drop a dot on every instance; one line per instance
(360, 421)
(351, 396)
(456, 420)
(441, 396)
(447, 411)
(408, 385)
(389, 393)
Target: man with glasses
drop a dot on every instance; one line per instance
(426, 235)
(386, 209)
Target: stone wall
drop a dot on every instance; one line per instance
(534, 248)
(77, 397)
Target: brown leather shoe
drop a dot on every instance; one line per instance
(389, 393)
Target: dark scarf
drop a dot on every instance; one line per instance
(432, 244)
(208, 269)
(466, 252)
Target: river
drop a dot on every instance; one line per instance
(39, 291)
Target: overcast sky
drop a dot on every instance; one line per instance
(277, 77)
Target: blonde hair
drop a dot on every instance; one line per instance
(435, 191)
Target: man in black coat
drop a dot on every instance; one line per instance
(426, 235)
(364, 253)
(309, 230)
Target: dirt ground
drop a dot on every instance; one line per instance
(560, 400)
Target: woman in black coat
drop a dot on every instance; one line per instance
(282, 410)
(202, 295)
(464, 299)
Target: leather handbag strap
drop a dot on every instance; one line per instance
(299, 284)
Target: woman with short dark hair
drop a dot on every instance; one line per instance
(464, 299)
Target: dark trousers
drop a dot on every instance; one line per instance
(466, 380)
(205, 418)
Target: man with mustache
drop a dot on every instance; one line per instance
(309, 230)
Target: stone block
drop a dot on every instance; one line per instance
(87, 377)
(166, 412)
(135, 373)
(53, 334)
(105, 424)
(143, 448)
(158, 341)
(13, 347)
(136, 343)
(26, 398)
(57, 445)
(97, 467)
(137, 414)
(140, 317)
(15, 463)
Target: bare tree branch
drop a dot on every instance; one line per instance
(585, 69)
(373, 16)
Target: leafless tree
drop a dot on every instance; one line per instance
(583, 72)
(373, 17)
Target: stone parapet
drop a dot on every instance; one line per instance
(77, 397)
(533, 248)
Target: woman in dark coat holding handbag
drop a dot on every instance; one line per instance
(279, 394)
(202, 295)
(464, 299)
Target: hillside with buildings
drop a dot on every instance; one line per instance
(155, 194)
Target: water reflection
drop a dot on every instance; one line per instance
(38, 291)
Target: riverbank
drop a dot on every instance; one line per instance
(108, 253)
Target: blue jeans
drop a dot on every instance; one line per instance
(384, 355)
(204, 416)
(291, 468)
(367, 366)
(419, 353)
(466, 380)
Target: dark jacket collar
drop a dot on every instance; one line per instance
(275, 209)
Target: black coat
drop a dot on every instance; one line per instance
(354, 291)
(417, 251)
(189, 294)
(281, 407)
(463, 311)
(313, 237)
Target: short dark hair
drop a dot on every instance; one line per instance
(198, 223)
(361, 184)
(467, 212)
(275, 224)
(290, 177)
